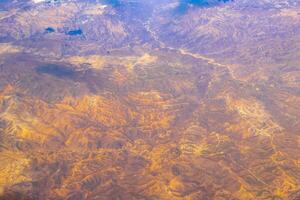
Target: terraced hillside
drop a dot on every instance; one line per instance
(193, 100)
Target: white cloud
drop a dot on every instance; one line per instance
(38, 1)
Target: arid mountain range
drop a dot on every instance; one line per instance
(150, 100)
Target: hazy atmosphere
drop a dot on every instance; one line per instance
(149, 100)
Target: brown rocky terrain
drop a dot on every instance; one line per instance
(136, 100)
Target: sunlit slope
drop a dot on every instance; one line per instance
(169, 135)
